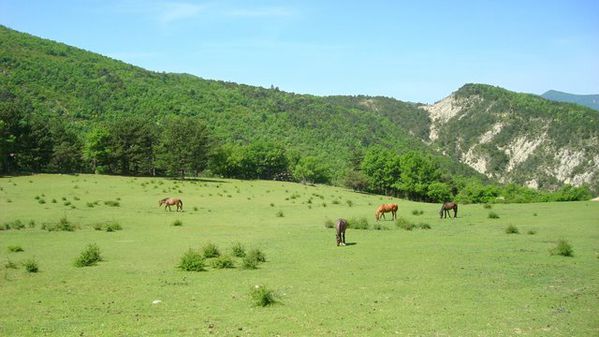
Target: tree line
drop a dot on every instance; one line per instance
(183, 146)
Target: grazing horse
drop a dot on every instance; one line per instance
(444, 212)
(384, 208)
(171, 201)
(340, 228)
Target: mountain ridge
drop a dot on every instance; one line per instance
(590, 101)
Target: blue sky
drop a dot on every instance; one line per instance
(411, 50)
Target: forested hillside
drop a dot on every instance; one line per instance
(516, 137)
(63, 109)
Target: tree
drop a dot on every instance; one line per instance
(382, 169)
(184, 146)
(312, 170)
(439, 192)
(418, 171)
(66, 148)
(96, 149)
(132, 142)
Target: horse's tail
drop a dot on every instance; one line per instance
(456, 211)
(181, 203)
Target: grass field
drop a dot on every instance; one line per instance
(462, 277)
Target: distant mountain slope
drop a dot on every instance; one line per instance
(591, 101)
(516, 137)
(66, 82)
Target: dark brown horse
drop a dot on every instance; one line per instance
(444, 212)
(385, 208)
(171, 201)
(340, 228)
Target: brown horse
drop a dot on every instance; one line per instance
(384, 208)
(444, 212)
(171, 201)
(340, 227)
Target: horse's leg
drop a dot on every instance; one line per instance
(343, 237)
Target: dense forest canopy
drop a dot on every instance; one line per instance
(63, 109)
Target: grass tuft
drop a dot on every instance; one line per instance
(262, 296)
(177, 223)
(358, 223)
(493, 215)
(257, 254)
(404, 224)
(90, 256)
(237, 250)
(192, 261)
(31, 265)
(563, 248)
(210, 250)
(223, 262)
(328, 223)
(15, 249)
(511, 229)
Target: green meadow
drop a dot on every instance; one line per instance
(462, 277)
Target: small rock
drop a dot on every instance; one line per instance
(156, 301)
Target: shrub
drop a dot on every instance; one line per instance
(54, 201)
(511, 229)
(423, 226)
(379, 227)
(195, 208)
(15, 249)
(417, 212)
(280, 214)
(67, 203)
(31, 266)
(98, 226)
(237, 250)
(89, 256)
(493, 215)
(531, 232)
(41, 201)
(89, 204)
(177, 223)
(328, 223)
(16, 224)
(250, 261)
(562, 248)
(223, 262)
(487, 206)
(10, 265)
(112, 203)
(113, 227)
(210, 250)
(335, 202)
(404, 223)
(358, 223)
(257, 254)
(262, 296)
(349, 203)
(31, 224)
(192, 261)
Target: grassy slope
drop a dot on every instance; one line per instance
(463, 277)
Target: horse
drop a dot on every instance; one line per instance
(444, 212)
(384, 208)
(340, 228)
(171, 201)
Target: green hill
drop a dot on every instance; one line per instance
(58, 81)
(591, 101)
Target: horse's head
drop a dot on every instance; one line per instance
(161, 202)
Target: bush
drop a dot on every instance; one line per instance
(562, 248)
(423, 226)
(63, 225)
(328, 223)
(192, 261)
(177, 223)
(98, 226)
(280, 214)
(417, 212)
(31, 266)
(262, 296)
(493, 215)
(531, 232)
(487, 206)
(404, 223)
(10, 265)
(89, 256)
(223, 262)
(250, 261)
(89, 204)
(113, 227)
(17, 224)
(257, 254)
(237, 250)
(210, 250)
(358, 223)
(511, 229)
(349, 203)
(112, 203)
(15, 249)
(380, 227)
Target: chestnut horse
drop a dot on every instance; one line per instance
(384, 208)
(340, 228)
(444, 212)
(171, 201)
